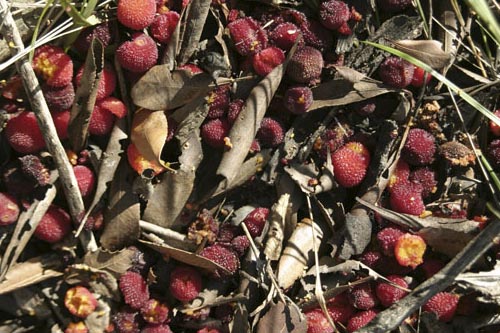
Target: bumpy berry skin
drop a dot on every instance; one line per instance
(156, 329)
(80, 301)
(139, 163)
(61, 122)
(393, 6)
(409, 250)
(218, 102)
(78, 327)
(363, 297)
(360, 319)
(298, 100)
(214, 131)
(420, 147)
(340, 309)
(387, 239)
(9, 210)
(271, 133)
(333, 14)
(407, 198)
(113, 105)
(23, 134)
(396, 72)
(59, 98)
(240, 244)
(54, 225)
(101, 32)
(101, 122)
(388, 294)
(139, 54)
(371, 258)
(442, 304)
(185, 283)
(107, 83)
(350, 163)
(85, 178)
(316, 35)
(256, 220)
(136, 14)
(134, 289)
(126, 322)
(400, 174)
(305, 65)
(163, 26)
(55, 66)
(267, 59)
(248, 37)
(234, 110)
(32, 167)
(285, 35)
(317, 322)
(222, 256)
(154, 312)
(426, 177)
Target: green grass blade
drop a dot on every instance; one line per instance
(453, 87)
(484, 13)
(422, 15)
(37, 27)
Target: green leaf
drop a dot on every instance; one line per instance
(485, 14)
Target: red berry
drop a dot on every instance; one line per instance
(107, 83)
(126, 322)
(409, 250)
(134, 289)
(61, 122)
(85, 178)
(360, 319)
(163, 26)
(54, 225)
(234, 110)
(59, 98)
(154, 312)
(163, 328)
(266, 60)
(9, 210)
(271, 133)
(407, 198)
(54, 65)
(240, 244)
(32, 167)
(23, 134)
(298, 99)
(317, 322)
(418, 77)
(388, 294)
(396, 72)
(136, 14)
(426, 177)
(363, 296)
(442, 304)
(400, 175)
(316, 35)
(185, 283)
(101, 122)
(285, 35)
(419, 148)
(248, 37)
(371, 258)
(340, 309)
(387, 239)
(333, 14)
(113, 105)
(214, 131)
(350, 163)
(494, 128)
(80, 301)
(139, 54)
(222, 256)
(218, 102)
(306, 65)
(101, 32)
(393, 6)
(431, 266)
(256, 221)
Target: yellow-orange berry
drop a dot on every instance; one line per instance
(80, 301)
(409, 250)
(139, 163)
(78, 327)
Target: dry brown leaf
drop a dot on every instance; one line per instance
(428, 51)
(282, 318)
(116, 263)
(350, 74)
(149, 132)
(445, 240)
(276, 233)
(298, 253)
(197, 12)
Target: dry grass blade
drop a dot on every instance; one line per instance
(486, 15)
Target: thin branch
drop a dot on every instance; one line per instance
(45, 122)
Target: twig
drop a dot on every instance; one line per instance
(391, 318)
(45, 122)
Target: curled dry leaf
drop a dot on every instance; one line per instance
(276, 232)
(298, 253)
(197, 12)
(282, 317)
(428, 51)
(116, 263)
(149, 132)
(485, 282)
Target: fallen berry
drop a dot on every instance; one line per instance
(80, 302)
(102, 32)
(350, 163)
(86, 179)
(114, 106)
(305, 66)
(298, 99)
(389, 294)
(317, 322)
(240, 244)
(33, 168)
(185, 283)
(101, 122)
(107, 83)
(316, 35)
(218, 102)
(134, 289)
(23, 134)
(271, 133)
(222, 256)
(78, 327)
(234, 110)
(214, 131)
(53, 65)
(443, 305)
(266, 60)
(426, 177)
(136, 14)
(248, 37)
(371, 259)
(396, 72)
(126, 321)
(139, 54)
(154, 312)
(285, 35)
(420, 77)
(256, 221)
(59, 98)
(406, 198)
(419, 148)
(54, 225)
(400, 175)
(493, 152)
(360, 319)
(387, 238)
(409, 250)
(9, 210)
(333, 14)
(363, 296)
(431, 266)
(156, 329)
(163, 26)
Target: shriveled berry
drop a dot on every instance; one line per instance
(333, 14)
(54, 225)
(78, 327)
(360, 319)
(387, 238)
(298, 99)
(240, 244)
(214, 131)
(350, 163)
(85, 178)
(317, 322)
(222, 256)
(127, 321)
(363, 296)
(256, 220)
(248, 37)
(9, 209)
(23, 134)
(185, 283)
(409, 250)
(389, 294)
(102, 32)
(285, 35)
(271, 133)
(443, 305)
(154, 312)
(426, 177)
(59, 98)
(419, 148)
(306, 65)
(139, 54)
(53, 65)
(134, 289)
(163, 26)
(396, 72)
(136, 14)
(80, 301)
(32, 167)
(266, 60)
